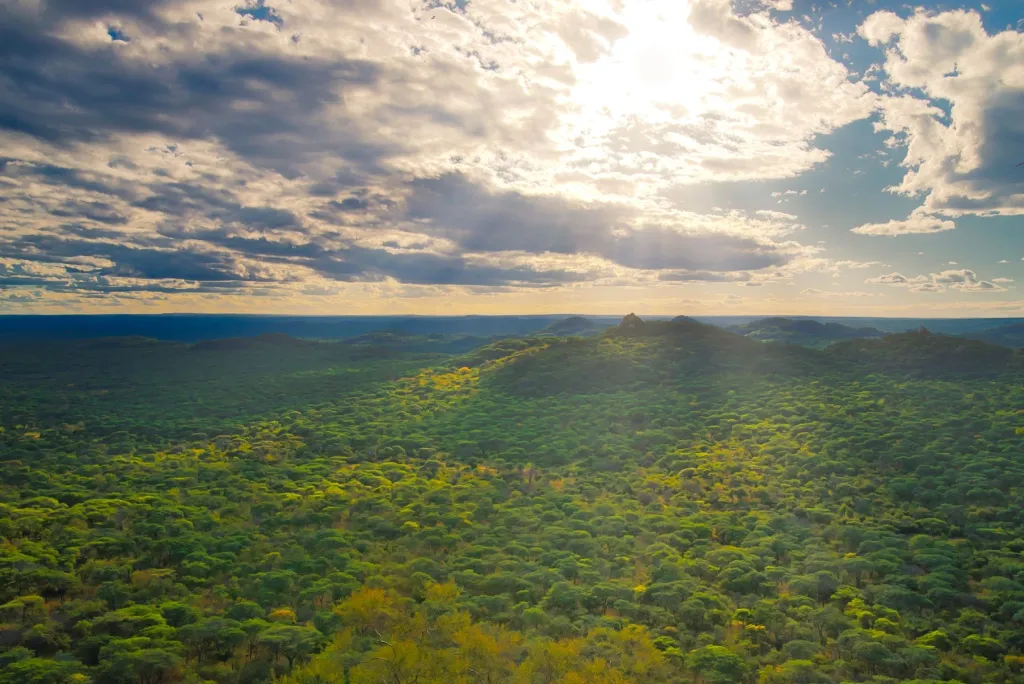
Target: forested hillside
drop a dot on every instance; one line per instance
(662, 502)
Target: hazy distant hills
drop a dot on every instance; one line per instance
(195, 327)
(805, 332)
(574, 326)
(459, 334)
(1005, 335)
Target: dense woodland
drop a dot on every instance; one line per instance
(662, 502)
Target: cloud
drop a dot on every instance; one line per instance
(889, 279)
(104, 91)
(916, 224)
(716, 18)
(251, 131)
(455, 209)
(779, 215)
(745, 98)
(847, 263)
(261, 146)
(955, 100)
(827, 293)
(959, 279)
(705, 276)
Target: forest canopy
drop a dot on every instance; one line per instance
(664, 501)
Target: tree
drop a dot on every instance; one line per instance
(717, 664)
(27, 610)
(985, 647)
(42, 671)
(291, 641)
(128, 664)
(368, 610)
(793, 672)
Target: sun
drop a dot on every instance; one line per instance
(663, 70)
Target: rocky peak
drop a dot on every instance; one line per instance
(631, 322)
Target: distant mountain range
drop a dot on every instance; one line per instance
(459, 334)
(805, 332)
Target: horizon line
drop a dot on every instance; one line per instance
(502, 315)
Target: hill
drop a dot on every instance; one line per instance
(664, 501)
(1006, 335)
(573, 326)
(805, 332)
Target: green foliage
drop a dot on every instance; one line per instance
(662, 502)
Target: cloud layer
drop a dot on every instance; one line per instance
(195, 150)
(962, 279)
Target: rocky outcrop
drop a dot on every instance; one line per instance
(632, 322)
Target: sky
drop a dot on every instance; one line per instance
(852, 157)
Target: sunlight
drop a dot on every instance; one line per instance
(662, 71)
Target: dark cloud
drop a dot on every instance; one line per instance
(128, 261)
(183, 199)
(101, 212)
(285, 249)
(267, 218)
(355, 263)
(421, 268)
(64, 177)
(57, 91)
(219, 266)
(477, 220)
(90, 232)
(352, 204)
(480, 221)
(997, 178)
(100, 9)
(103, 285)
(362, 202)
(179, 199)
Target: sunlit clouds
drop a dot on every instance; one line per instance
(493, 156)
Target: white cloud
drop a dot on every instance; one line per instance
(916, 223)
(780, 215)
(961, 279)
(731, 98)
(963, 162)
(889, 279)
